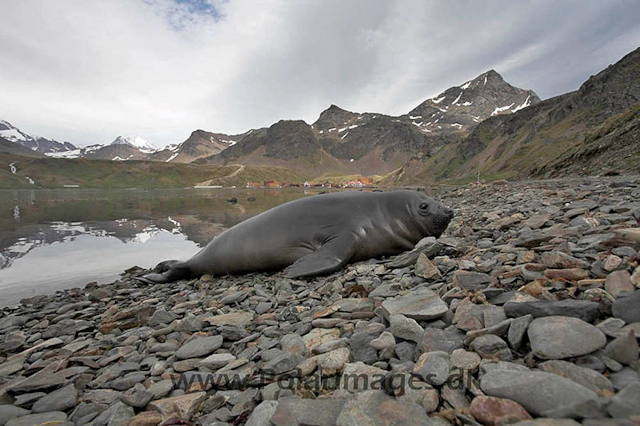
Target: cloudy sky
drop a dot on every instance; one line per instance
(86, 71)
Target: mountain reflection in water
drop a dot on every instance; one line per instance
(56, 239)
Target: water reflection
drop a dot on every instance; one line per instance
(66, 238)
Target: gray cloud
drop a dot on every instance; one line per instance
(88, 70)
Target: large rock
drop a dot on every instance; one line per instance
(426, 269)
(238, 319)
(46, 379)
(468, 280)
(421, 305)
(582, 309)
(8, 412)
(558, 337)
(262, 414)
(405, 328)
(117, 414)
(377, 408)
(58, 400)
(623, 348)
(560, 260)
(296, 411)
(490, 346)
(216, 361)
(542, 394)
(434, 339)
(200, 346)
(318, 336)
(626, 308)
(433, 367)
(359, 377)
(586, 377)
(41, 419)
(626, 403)
(618, 282)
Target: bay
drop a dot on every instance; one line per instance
(58, 239)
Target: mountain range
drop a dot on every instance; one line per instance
(484, 126)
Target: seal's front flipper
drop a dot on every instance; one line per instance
(166, 272)
(332, 256)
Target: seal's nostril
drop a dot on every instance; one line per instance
(449, 213)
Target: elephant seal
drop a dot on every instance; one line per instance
(315, 235)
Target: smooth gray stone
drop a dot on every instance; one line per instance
(8, 412)
(582, 309)
(376, 408)
(38, 419)
(296, 411)
(558, 337)
(626, 308)
(261, 415)
(58, 400)
(626, 403)
(542, 394)
(199, 347)
(583, 376)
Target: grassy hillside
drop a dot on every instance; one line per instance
(55, 173)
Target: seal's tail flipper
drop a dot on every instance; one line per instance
(332, 256)
(166, 272)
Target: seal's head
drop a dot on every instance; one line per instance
(433, 216)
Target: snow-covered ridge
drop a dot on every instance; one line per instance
(75, 153)
(136, 142)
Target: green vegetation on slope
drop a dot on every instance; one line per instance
(55, 173)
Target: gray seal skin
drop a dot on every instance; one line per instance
(316, 235)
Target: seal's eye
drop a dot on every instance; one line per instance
(424, 206)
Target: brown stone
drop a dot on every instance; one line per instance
(183, 406)
(618, 282)
(426, 269)
(573, 274)
(318, 336)
(611, 263)
(146, 418)
(326, 312)
(560, 260)
(127, 319)
(537, 221)
(239, 319)
(492, 411)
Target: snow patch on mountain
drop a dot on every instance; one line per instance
(525, 104)
(13, 135)
(136, 142)
(498, 110)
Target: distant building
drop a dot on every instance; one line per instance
(360, 183)
(272, 184)
(253, 185)
(309, 184)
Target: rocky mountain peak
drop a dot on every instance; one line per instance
(10, 133)
(135, 142)
(334, 117)
(461, 107)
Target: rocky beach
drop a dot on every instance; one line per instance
(526, 311)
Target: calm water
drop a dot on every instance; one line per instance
(55, 239)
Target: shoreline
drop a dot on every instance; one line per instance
(532, 290)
